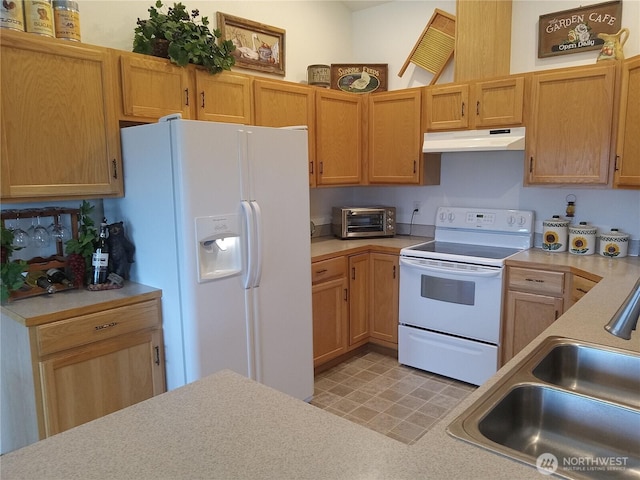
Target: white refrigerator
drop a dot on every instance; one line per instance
(219, 216)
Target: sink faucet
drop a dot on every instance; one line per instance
(626, 318)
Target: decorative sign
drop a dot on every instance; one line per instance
(359, 77)
(576, 30)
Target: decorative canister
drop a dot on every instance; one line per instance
(582, 239)
(12, 15)
(614, 244)
(555, 234)
(319, 75)
(67, 19)
(38, 16)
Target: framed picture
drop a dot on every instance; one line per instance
(258, 46)
(359, 77)
(576, 30)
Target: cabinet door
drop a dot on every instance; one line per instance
(395, 137)
(223, 97)
(627, 173)
(330, 320)
(284, 104)
(499, 102)
(339, 137)
(527, 315)
(153, 87)
(385, 282)
(94, 380)
(447, 108)
(358, 298)
(569, 133)
(60, 132)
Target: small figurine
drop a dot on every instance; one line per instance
(121, 250)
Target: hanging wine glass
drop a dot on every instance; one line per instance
(41, 237)
(59, 233)
(21, 238)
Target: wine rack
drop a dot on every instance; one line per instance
(58, 260)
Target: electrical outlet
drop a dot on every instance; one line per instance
(417, 206)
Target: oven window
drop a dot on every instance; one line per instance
(370, 222)
(448, 290)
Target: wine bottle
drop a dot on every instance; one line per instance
(57, 276)
(100, 259)
(39, 279)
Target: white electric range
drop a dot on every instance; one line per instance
(451, 291)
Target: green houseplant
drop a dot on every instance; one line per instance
(11, 278)
(186, 41)
(80, 250)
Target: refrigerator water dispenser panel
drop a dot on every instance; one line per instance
(218, 246)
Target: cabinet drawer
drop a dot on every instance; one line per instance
(328, 269)
(536, 281)
(77, 331)
(580, 287)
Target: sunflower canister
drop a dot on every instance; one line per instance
(554, 234)
(582, 239)
(614, 244)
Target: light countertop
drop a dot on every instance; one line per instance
(228, 427)
(323, 248)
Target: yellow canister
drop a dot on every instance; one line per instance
(582, 239)
(67, 19)
(38, 16)
(555, 233)
(613, 244)
(12, 15)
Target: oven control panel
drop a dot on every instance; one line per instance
(507, 220)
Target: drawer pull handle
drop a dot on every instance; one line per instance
(537, 280)
(582, 290)
(157, 349)
(105, 325)
(320, 272)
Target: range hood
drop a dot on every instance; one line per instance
(474, 140)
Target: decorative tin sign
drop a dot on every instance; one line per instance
(359, 77)
(577, 29)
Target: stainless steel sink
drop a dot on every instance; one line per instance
(598, 372)
(577, 401)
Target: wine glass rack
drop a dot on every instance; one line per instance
(38, 263)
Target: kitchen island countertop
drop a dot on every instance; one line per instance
(228, 427)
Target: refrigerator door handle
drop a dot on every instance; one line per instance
(250, 261)
(257, 215)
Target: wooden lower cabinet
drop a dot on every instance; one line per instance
(359, 303)
(355, 302)
(65, 368)
(330, 290)
(535, 298)
(385, 288)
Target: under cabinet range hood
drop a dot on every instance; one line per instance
(474, 140)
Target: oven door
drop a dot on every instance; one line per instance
(453, 298)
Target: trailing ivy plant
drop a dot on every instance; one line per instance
(11, 278)
(188, 41)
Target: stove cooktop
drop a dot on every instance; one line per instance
(464, 250)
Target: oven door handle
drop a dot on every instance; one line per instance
(480, 272)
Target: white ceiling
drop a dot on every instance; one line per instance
(355, 5)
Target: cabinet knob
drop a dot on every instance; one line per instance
(202, 96)
(115, 168)
(186, 96)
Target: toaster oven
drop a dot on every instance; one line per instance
(362, 222)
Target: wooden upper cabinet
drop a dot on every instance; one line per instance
(627, 172)
(153, 87)
(339, 137)
(284, 104)
(223, 97)
(447, 107)
(483, 39)
(60, 132)
(497, 102)
(395, 137)
(569, 130)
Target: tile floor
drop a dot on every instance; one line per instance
(375, 391)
